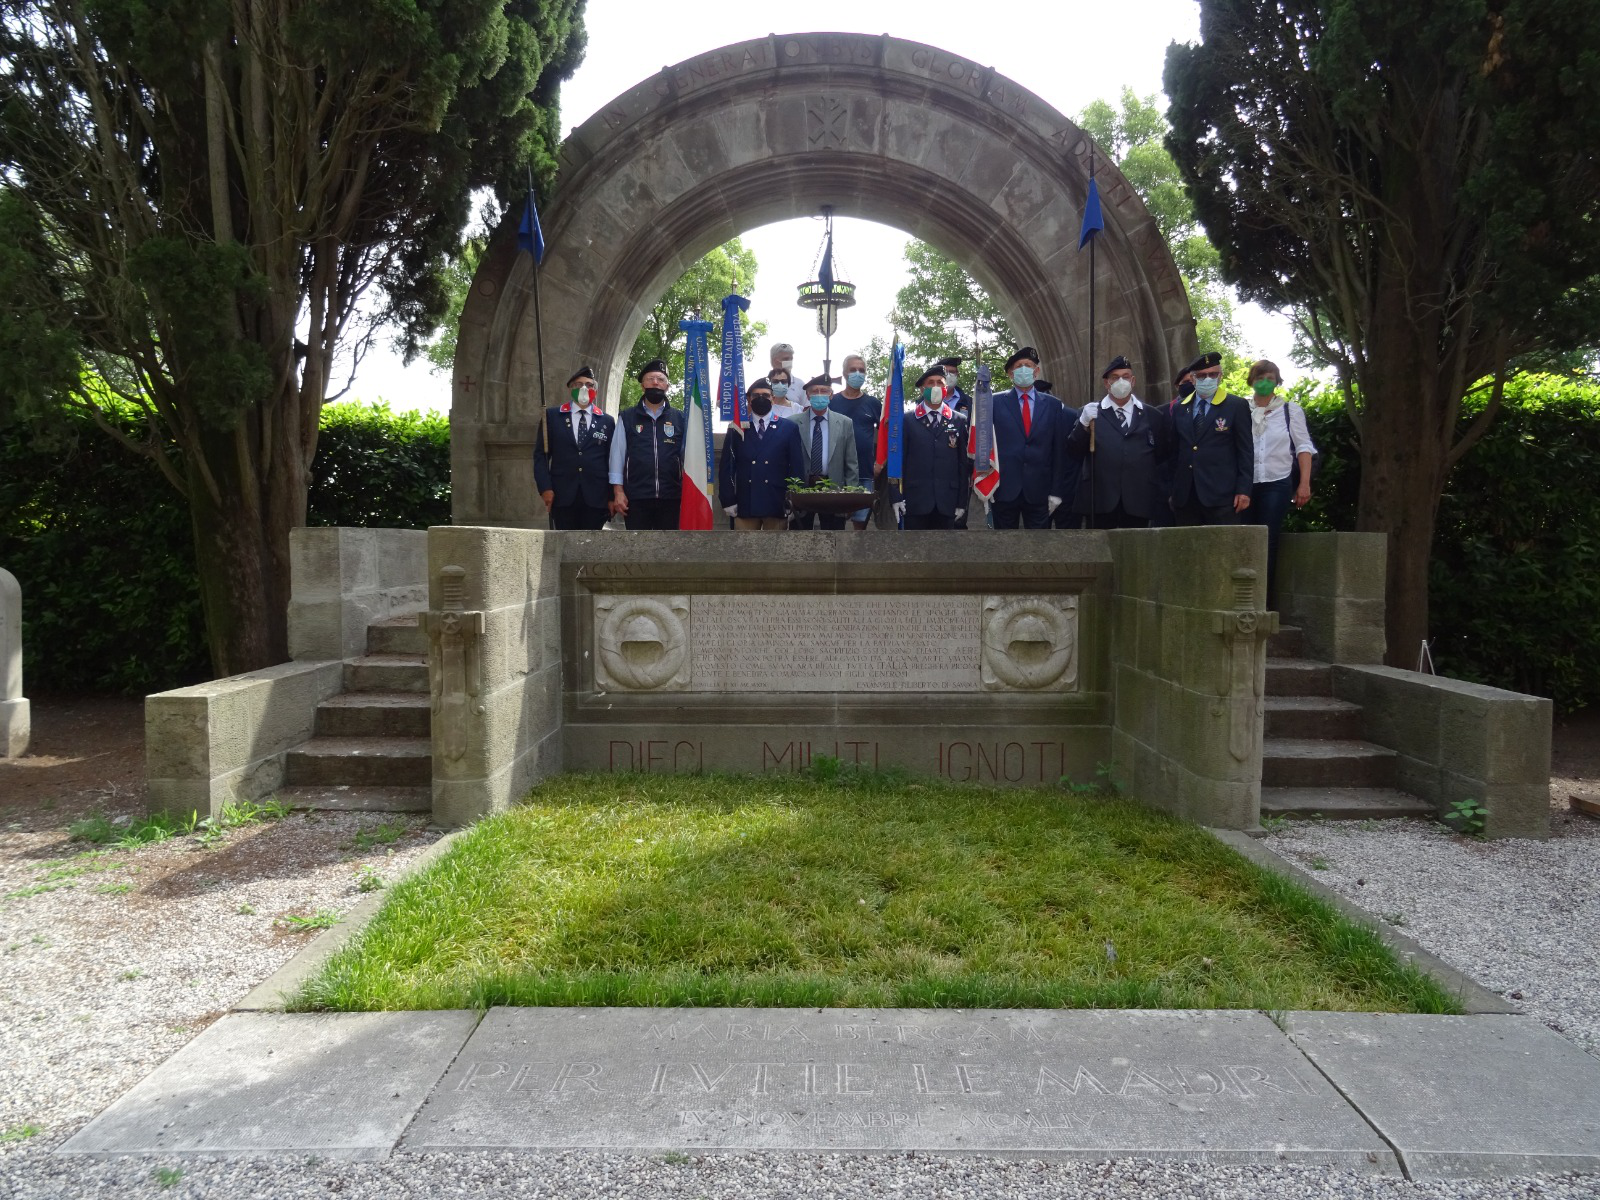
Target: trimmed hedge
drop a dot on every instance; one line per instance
(103, 549)
(1515, 573)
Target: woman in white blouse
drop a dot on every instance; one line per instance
(1283, 462)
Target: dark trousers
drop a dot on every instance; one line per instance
(1117, 518)
(578, 516)
(1269, 504)
(1008, 514)
(652, 514)
(1065, 518)
(1195, 513)
(930, 520)
(811, 520)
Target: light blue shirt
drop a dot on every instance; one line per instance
(807, 422)
(619, 444)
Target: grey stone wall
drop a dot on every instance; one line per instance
(15, 718)
(1188, 656)
(1460, 741)
(947, 149)
(1331, 585)
(342, 580)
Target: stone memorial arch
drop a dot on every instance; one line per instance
(892, 131)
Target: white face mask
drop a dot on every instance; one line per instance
(787, 364)
(1206, 387)
(1121, 389)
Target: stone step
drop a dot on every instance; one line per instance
(1324, 763)
(374, 714)
(1298, 677)
(386, 673)
(1288, 642)
(1312, 717)
(359, 799)
(361, 762)
(396, 635)
(1342, 804)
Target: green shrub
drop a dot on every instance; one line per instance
(102, 546)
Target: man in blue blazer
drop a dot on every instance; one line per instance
(937, 472)
(570, 457)
(1215, 467)
(757, 463)
(1030, 433)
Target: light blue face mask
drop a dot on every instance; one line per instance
(819, 401)
(1022, 377)
(780, 390)
(1206, 387)
(856, 378)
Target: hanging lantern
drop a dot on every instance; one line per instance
(827, 293)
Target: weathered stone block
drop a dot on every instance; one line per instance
(15, 716)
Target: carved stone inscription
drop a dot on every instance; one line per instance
(1065, 1083)
(828, 643)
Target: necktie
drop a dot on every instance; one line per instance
(816, 446)
(1122, 411)
(1027, 416)
(583, 427)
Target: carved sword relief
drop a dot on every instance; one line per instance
(455, 663)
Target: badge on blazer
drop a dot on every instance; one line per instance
(638, 426)
(1222, 424)
(666, 430)
(955, 436)
(597, 434)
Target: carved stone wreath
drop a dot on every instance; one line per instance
(1030, 643)
(641, 643)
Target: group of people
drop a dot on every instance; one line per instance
(1206, 458)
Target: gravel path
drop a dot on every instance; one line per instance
(1520, 917)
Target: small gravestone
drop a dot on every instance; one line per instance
(14, 720)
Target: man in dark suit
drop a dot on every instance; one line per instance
(1064, 517)
(757, 463)
(1127, 440)
(1214, 469)
(828, 441)
(1030, 443)
(646, 467)
(569, 459)
(1161, 515)
(936, 471)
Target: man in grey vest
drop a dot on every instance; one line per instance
(1121, 442)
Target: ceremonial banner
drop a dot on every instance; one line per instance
(529, 235)
(891, 447)
(985, 464)
(699, 474)
(1093, 219)
(730, 388)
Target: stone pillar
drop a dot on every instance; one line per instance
(341, 580)
(1331, 585)
(14, 716)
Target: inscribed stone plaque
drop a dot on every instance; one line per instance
(1219, 1086)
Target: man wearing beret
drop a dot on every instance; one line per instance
(1030, 444)
(570, 458)
(1124, 439)
(936, 470)
(757, 463)
(1214, 469)
(647, 456)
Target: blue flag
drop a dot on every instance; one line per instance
(1093, 220)
(894, 411)
(730, 388)
(529, 236)
(825, 276)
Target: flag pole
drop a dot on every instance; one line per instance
(538, 332)
(1092, 397)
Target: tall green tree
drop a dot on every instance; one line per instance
(207, 207)
(944, 311)
(700, 290)
(1134, 135)
(1419, 179)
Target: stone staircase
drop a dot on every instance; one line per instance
(1314, 761)
(372, 751)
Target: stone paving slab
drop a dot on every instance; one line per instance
(342, 1085)
(1463, 1096)
(1216, 1086)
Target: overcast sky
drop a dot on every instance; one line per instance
(1068, 53)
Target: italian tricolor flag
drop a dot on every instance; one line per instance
(694, 509)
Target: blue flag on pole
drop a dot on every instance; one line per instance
(529, 236)
(1093, 220)
(730, 387)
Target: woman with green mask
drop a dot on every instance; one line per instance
(1283, 461)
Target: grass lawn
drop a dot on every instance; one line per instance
(862, 890)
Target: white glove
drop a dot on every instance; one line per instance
(1055, 503)
(960, 512)
(1086, 414)
(900, 509)
(731, 509)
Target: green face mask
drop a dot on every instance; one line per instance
(1265, 386)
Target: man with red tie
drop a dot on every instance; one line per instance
(758, 461)
(1029, 436)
